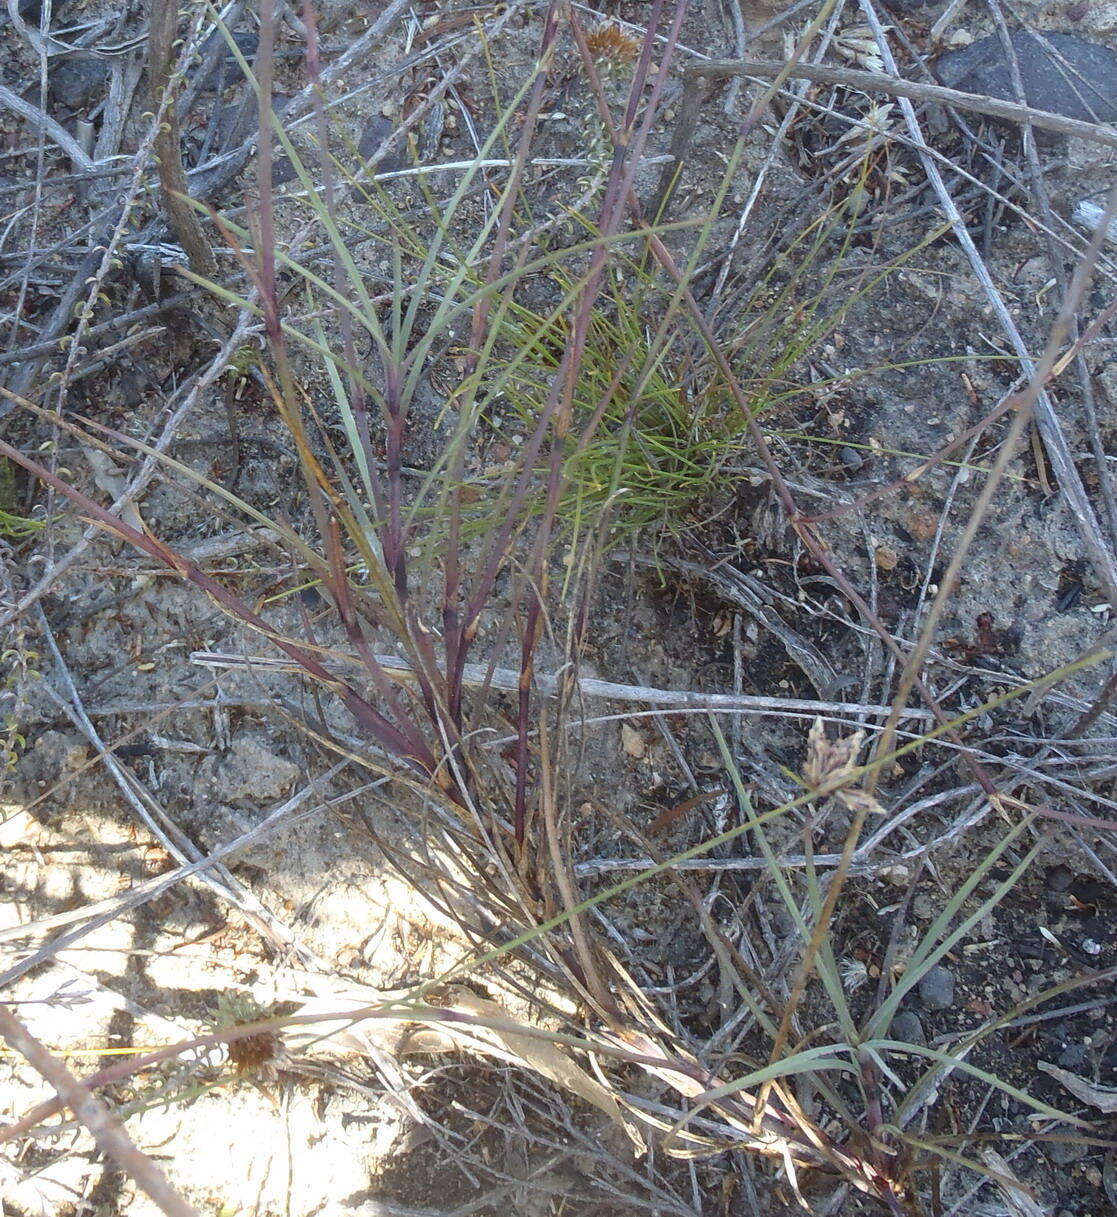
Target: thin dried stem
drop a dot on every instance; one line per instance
(870, 82)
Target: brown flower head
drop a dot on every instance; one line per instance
(831, 763)
(612, 42)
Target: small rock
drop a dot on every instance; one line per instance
(1088, 214)
(1073, 1056)
(1058, 878)
(937, 989)
(633, 741)
(907, 1027)
(896, 873)
(1060, 73)
(376, 131)
(253, 772)
(1066, 1152)
(852, 459)
(283, 171)
(58, 754)
(227, 70)
(77, 80)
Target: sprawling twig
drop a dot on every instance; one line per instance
(107, 1130)
(894, 86)
(47, 125)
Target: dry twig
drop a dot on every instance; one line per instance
(912, 90)
(107, 1130)
(168, 141)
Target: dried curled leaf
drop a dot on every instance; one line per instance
(1104, 1098)
(461, 1021)
(527, 1047)
(113, 483)
(1018, 1198)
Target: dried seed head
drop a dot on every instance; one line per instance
(255, 1053)
(251, 1054)
(833, 763)
(828, 761)
(854, 974)
(613, 43)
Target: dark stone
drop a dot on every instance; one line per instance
(1073, 1056)
(937, 988)
(283, 170)
(236, 120)
(376, 131)
(1066, 1152)
(907, 1027)
(852, 459)
(76, 81)
(1059, 878)
(227, 71)
(1060, 73)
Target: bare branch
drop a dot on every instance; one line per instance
(878, 82)
(168, 142)
(107, 1130)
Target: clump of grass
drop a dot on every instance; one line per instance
(661, 444)
(656, 458)
(628, 405)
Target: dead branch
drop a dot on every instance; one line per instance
(107, 1130)
(879, 82)
(168, 142)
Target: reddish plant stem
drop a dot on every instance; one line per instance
(419, 758)
(456, 634)
(628, 146)
(338, 584)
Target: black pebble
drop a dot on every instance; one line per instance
(76, 81)
(1073, 1056)
(1059, 878)
(227, 70)
(376, 131)
(907, 1027)
(1060, 73)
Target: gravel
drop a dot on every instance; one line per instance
(907, 1027)
(937, 989)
